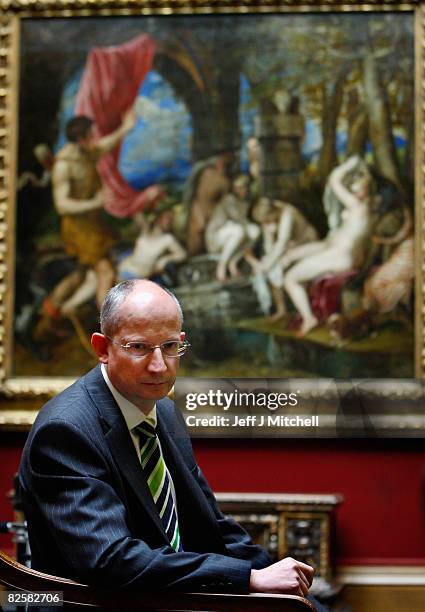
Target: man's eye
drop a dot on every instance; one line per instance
(139, 346)
(170, 346)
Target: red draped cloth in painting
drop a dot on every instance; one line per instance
(111, 81)
(325, 293)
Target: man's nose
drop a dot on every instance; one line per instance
(156, 361)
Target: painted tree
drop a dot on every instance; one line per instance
(382, 53)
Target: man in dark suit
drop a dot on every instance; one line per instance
(111, 490)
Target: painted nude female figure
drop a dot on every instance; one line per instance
(343, 248)
(284, 227)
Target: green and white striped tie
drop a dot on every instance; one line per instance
(158, 480)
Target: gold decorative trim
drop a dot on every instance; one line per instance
(35, 387)
(309, 500)
(167, 7)
(419, 188)
(8, 96)
(5, 50)
(17, 420)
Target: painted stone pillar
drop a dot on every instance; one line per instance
(280, 137)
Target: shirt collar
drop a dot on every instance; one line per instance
(131, 413)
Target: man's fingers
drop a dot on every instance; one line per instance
(285, 576)
(307, 570)
(304, 585)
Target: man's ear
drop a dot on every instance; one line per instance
(99, 343)
(182, 336)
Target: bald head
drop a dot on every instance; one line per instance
(136, 296)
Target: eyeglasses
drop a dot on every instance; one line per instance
(172, 348)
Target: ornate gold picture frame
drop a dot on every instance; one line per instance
(43, 50)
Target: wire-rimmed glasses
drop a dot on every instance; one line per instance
(171, 348)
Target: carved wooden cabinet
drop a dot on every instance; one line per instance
(295, 525)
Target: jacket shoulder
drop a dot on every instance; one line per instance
(73, 405)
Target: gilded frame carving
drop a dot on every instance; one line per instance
(11, 14)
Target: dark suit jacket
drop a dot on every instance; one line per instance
(90, 513)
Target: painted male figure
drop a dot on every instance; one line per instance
(79, 198)
(99, 508)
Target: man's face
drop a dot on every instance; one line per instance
(86, 140)
(143, 380)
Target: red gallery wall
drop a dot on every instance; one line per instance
(382, 520)
(10, 451)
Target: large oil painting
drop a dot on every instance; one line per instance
(261, 166)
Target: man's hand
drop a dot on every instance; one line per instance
(287, 576)
(108, 142)
(129, 121)
(98, 199)
(153, 193)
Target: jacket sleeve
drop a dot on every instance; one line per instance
(237, 540)
(68, 495)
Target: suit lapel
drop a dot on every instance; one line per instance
(121, 445)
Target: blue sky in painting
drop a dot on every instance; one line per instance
(158, 149)
(247, 114)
